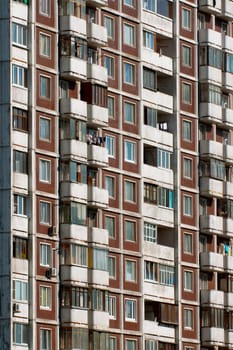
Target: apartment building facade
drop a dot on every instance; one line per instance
(116, 182)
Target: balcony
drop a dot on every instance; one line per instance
(228, 300)
(211, 224)
(97, 197)
(212, 336)
(75, 232)
(164, 176)
(19, 10)
(228, 152)
(20, 138)
(211, 112)
(20, 53)
(209, 6)
(211, 261)
(164, 216)
(73, 24)
(228, 338)
(97, 73)
(73, 68)
(227, 9)
(97, 3)
(227, 81)
(158, 290)
(210, 74)
(73, 273)
(164, 102)
(97, 156)
(98, 235)
(158, 250)
(160, 62)
(98, 319)
(99, 277)
(20, 94)
(211, 187)
(71, 315)
(73, 107)
(211, 149)
(228, 263)
(158, 136)
(19, 223)
(210, 37)
(228, 189)
(97, 116)
(19, 266)
(163, 25)
(213, 298)
(20, 181)
(96, 35)
(23, 309)
(73, 191)
(227, 43)
(153, 328)
(228, 117)
(73, 148)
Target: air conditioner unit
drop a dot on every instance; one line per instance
(16, 308)
(52, 231)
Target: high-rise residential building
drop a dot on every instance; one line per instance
(116, 180)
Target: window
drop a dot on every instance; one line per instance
(130, 230)
(74, 213)
(19, 34)
(129, 73)
(130, 344)
(211, 56)
(74, 297)
(188, 205)
(77, 255)
(149, 79)
(45, 213)
(186, 56)
(188, 318)
(186, 93)
(164, 159)
(110, 145)
(150, 5)
(100, 259)
(45, 7)
(150, 193)
(45, 339)
(45, 171)
(148, 40)
(187, 167)
(109, 64)
(150, 344)
(187, 130)
(19, 75)
(129, 3)
(112, 307)
(112, 343)
(150, 232)
(20, 333)
(129, 35)
(150, 116)
(150, 271)
(20, 248)
(130, 188)
(166, 275)
(45, 297)
(165, 197)
(45, 45)
(20, 204)
(129, 112)
(111, 107)
(110, 186)
(44, 87)
(20, 162)
(130, 151)
(45, 128)
(99, 300)
(130, 310)
(109, 25)
(112, 267)
(130, 270)
(188, 243)
(20, 290)
(20, 119)
(186, 19)
(110, 226)
(45, 254)
(188, 280)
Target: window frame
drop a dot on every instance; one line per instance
(132, 198)
(48, 206)
(129, 73)
(186, 20)
(45, 254)
(111, 106)
(45, 297)
(110, 66)
(45, 7)
(188, 174)
(188, 280)
(19, 34)
(45, 170)
(186, 56)
(109, 26)
(45, 45)
(188, 213)
(188, 245)
(110, 144)
(110, 186)
(48, 339)
(186, 93)
(112, 265)
(188, 318)
(129, 34)
(112, 307)
(45, 83)
(131, 273)
(24, 336)
(130, 149)
(152, 238)
(46, 138)
(111, 235)
(185, 130)
(131, 235)
(148, 40)
(129, 112)
(131, 313)
(19, 75)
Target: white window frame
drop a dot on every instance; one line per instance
(45, 7)
(130, 344)
(110, 142)
(109, 25)
(148, 40)
(130, 270)
(129, 73)
(188, 280)
(187, 168)
(45, 130)
(186, 131)
(45, 254)
(45, 297)
(164, 159)
(113, 226)
(150, 232)
(128, 34)
(130, 230)
(188, 318)
(45, 87)
(130, 193)
(19, 34)
(48, 339)
(186, 55)
(188, 243)
(186, 93)
(20, 290)
(109, 64)
(45, 170)
(112, 307)
(110, 185)
(22, 328)
(186, 19)
(19, 75)
(130, 310)
(112, 267)
(20, 205)
(111, 107)
(130, 151)
(129, 112)
(112, 343)
(188, 205)
(45, 45)
(45, 206)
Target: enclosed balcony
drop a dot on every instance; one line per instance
(96, 34)
(211, 261)
(213, 298)
(163, 331)
(73, 68)
(156, 135)
(73, 191)
(98, 235)
(163, 25)
(19, 223)
(98, 319)
(210, 37)
(73, 273)
(163, 216)
(211, 112)
(227, 9)
(98, 277)
(20, 10)
(74, 232)
(97, 156)
(164, 176)
(19, 266)
(97, 74)
(211, 224)
(227, 81)
(73, 148)
(212, 336)
(72, 315)
(160, 290)
(20, 181)
(97, 116)
(211, 187)
(73, 107)
(228, 117)
(160, 251)
(210, 7)
(73, 25)
(163, 101)
(160, 62)
(210, 148)
(97, 197)
(20, 95)
(210, 74)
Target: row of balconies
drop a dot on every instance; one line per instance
(215, 188)
(163, 216)
(216, 76)
(210, 261)
(216, 113)
(159, 61)
(223, 8)
(214, 149)
(95, 319)
(216, 298)
(217, 337)
(159, 175)
(211, 37)
(213, 224)
(161, 331)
